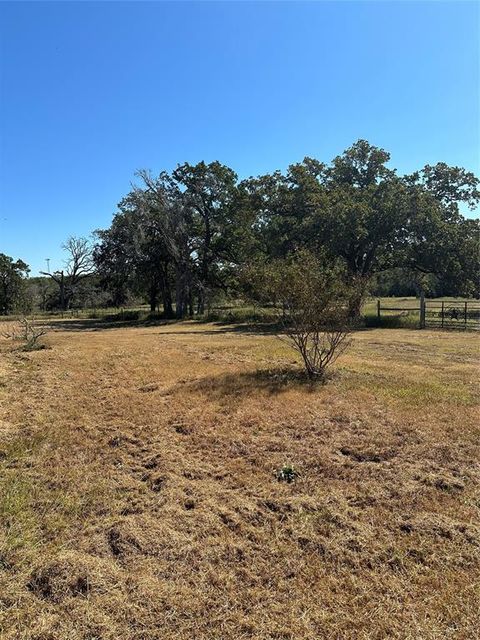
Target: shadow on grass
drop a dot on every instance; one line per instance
(222, 327)
(188, 326)
(104, 324)
(88, 324)
(239, 385)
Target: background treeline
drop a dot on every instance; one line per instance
(183, 240)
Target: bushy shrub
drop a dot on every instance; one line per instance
(312, 298)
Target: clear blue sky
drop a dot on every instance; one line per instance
(90, 92)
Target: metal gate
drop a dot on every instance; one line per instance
(432, 314)
(446, 314)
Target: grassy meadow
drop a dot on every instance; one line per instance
(141, 492)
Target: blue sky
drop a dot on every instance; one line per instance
(90, 92)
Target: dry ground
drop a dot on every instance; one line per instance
(138, 496)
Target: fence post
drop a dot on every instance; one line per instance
(422, 310)
(378, 311)
(466, 313)
(443, 311)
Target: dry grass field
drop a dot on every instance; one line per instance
(139, 497)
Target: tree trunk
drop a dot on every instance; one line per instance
(166, 291)
(201, 303)
(167, 302)
(180, 292)
(153, 298)
(63, 306)
(360, 284)
(355, 307)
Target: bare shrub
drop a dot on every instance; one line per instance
(313, 299)
(27, 331)
(319, 348)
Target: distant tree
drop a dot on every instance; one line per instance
(186, 235)
(132, 257)
(267, 204)
(401, 281)
(438, 239)
(13, 290)
(208, 191)
(358, 214)
(359, 210)
(115, 257)
(164, 202)
(203, 228)
(78, 265)
(42, 292)
(89, 294)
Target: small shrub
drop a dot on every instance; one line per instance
(29, 333)
(287, 473)
(313, 298)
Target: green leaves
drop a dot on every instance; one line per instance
(450, 185)
(13, 276)
(193, 229)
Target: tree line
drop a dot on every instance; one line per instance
(182, 239)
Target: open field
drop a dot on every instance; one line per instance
(139, 497)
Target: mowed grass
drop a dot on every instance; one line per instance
(139, 496)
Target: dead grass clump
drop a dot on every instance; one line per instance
(156, 482)
(71, 574)
(367, 456)
(444, 482)
(441, 526)
(148, 388)
(122, 541)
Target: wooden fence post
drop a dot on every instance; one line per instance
(422, 310)
(443, 311)
(466, 313)
(378, 311)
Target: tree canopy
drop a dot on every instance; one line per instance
(181, 238)
(190, 231)
(13, 274)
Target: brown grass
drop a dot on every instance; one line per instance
(139, 498)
